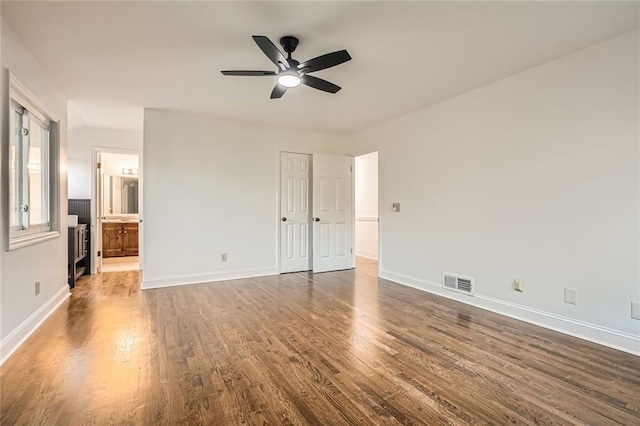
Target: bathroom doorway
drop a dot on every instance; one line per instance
(118, 196)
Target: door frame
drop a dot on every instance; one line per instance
(94, 213)
(379, 207)
(279, 214)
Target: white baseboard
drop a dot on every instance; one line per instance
(187, 279)
(594, 333)
(17, 337)
(367, 255)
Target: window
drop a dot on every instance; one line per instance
(30, 171)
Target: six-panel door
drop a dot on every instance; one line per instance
(295, 212)
(332, 212)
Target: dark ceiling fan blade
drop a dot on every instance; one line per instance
(248, 73)
(325, 61)
(320, 84)
(271, 51)
(278, 91)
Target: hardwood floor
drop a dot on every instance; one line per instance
(333, 348)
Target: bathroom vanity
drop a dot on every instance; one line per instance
(119, 238)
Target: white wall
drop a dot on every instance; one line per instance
(366, 203)
(211, 187)
(21, 309)
(112, 164)
(81, 142)
(533, 177)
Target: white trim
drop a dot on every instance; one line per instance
(17, 337)
(366, 218)
(354, 249)
(30, 101)
(27, 240)
(367, 255)
(188, 279)
(591, 332)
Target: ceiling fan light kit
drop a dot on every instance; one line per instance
(292, 73)
(289, 79)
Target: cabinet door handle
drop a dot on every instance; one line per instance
(119, 232)
(125, 232)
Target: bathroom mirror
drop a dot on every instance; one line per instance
(120, 195)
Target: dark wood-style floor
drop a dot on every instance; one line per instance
(334, 348)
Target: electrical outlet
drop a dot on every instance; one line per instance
(635, 310)
(395, 207)
(518, 285)
(570, 296)
(37, 287)
(223, 257)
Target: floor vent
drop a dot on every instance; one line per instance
(457, 283)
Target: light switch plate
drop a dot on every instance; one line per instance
(635, 310)
(570, 295)
(395, 207)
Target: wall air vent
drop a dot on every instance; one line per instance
(457, 283)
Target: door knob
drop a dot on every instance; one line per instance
(284, 219)
(317, 219)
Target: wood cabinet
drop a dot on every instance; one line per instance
(77, 264)
(119, 239)
(130, 239)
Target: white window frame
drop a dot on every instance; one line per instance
(18, 98)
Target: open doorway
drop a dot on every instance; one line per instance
(117, 206)
(366, 212)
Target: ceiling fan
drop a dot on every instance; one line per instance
(292, 73)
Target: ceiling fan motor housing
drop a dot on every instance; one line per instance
(289, 43)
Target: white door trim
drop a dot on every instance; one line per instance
(94, 213)
(353, 212)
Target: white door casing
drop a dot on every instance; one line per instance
(295, 212)
(332, 212)
(99, 209)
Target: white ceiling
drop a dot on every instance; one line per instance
(111, 59)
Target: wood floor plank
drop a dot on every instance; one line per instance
(304, 349)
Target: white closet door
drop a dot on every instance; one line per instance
(332, 215)
(295, 212)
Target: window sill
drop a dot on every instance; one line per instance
(28, 240)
